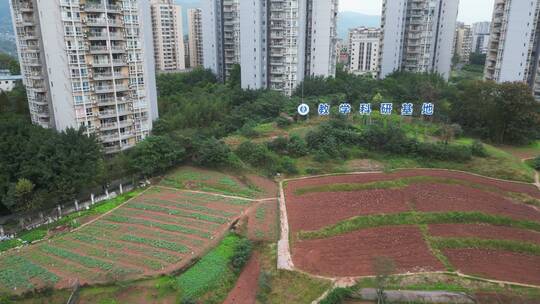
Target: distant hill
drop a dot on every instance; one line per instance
(347, 20)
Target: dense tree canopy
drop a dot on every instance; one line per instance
(41, 167)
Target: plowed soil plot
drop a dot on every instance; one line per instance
(158, 232)
(262, 222)
(245, 290)
(486, 232)
(353, 254)
(445, 198)
(499, 265)
(310, 208)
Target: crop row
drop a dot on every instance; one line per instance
(50, 261)
(260, 214)
(156, 243)
(17, 272)
(110, 254)
(171, 219)
(85, 261)
(198, 216)
(215, 198)
(149, 252)
(167, 236)
(168, 227)
(189, 206)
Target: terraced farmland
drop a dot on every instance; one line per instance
(160, 231)
(423, 220)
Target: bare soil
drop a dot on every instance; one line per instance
(353, 254)
(317, 210)
(245, 290)
(496, 264)
(483, 231)
(444, 198)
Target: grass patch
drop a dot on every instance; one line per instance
(278, 286)
(475, 243)
(416, 218)
(212, 274)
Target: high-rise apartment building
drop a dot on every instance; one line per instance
(364, 50)
(221, 38)
(480, 39)
(195, 38)
(167, 26)
(513, 51)
(418, 36)
(285, 41)
(463, 42)
(89, 63)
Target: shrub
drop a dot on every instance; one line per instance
(248, 130)
(279, 145)
(255, 154)
(212, 153)
(297, 146)
(283, 122)
(536, 163)
(287, 165)
(187, 300)
(241, 256)
(478, 149)
(444, 152)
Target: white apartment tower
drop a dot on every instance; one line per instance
(169, 50)
(284, 41)
(463, 42)
(89, 63)
(364, 50)
(195, 38)
(514, 45)
(221, 38)
(480, 33)
(418, 36)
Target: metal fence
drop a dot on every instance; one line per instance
(13, 224)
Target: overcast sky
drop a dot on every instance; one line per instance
(469, 11)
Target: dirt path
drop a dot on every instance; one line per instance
(284, 259)
(245, 290)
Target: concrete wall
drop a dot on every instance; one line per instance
(323, 38)
(147, 42)
(211, 35)
(442, 61)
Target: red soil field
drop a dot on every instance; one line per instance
(499, 265)
(353, 254)
(482, 231)
(245, 290)
(317, 210)
(373, 177)
(314, 211)
(443, 198)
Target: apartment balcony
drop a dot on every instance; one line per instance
(116, 125)
(112, 113)
(107, 63)
(105, 36)
(110, 89)
(111, 101)
(102, 22)
(100, 8)
(109, 76)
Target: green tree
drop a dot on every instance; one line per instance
(155, 155)
(502, 113)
